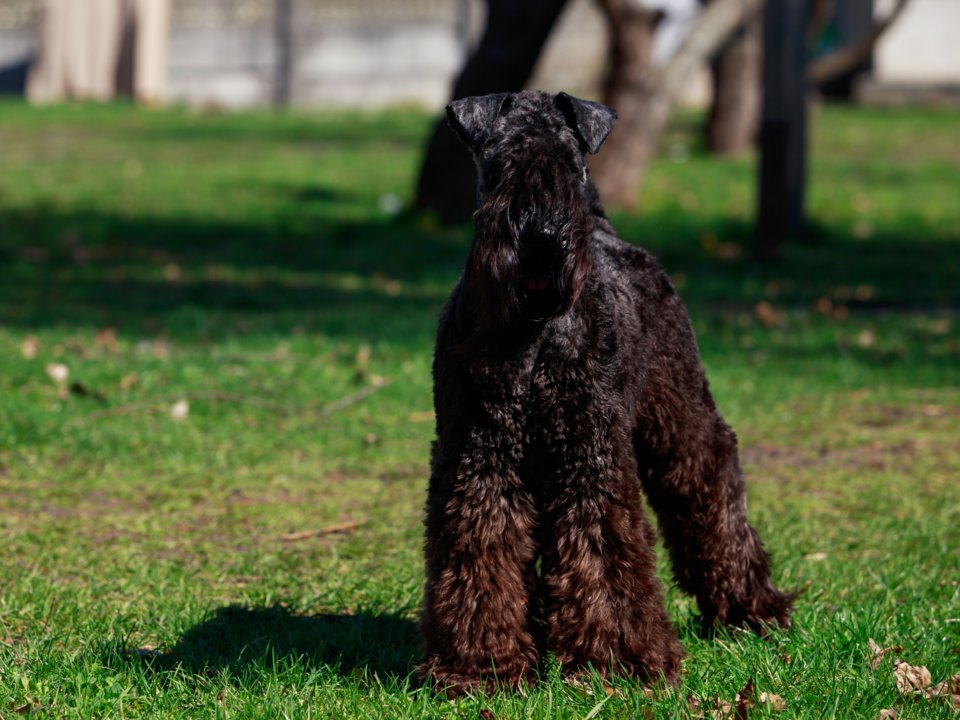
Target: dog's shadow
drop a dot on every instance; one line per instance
(381, 646)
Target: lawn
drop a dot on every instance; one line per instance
(215, 347)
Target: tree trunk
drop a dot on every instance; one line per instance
(503, 62)
(783, 131)
(633, 89)
(642, 95)
(737, 85)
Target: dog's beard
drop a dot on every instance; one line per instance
(518, 274)
(543, 285)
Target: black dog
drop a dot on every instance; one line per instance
(566, 376)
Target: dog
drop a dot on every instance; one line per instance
(566, 378)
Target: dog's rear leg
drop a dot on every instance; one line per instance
(690, 471)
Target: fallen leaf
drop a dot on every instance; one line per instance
(736, 710)
(765, 313)
(722, 710)
(866, 339)
(776, 703)
(910, 678)
(948, 690)
(106, 338)
(159, 348)
(888, 714)
(180, 410)
(129, 380)
(877, 653)
(58, 372)
(30, 347)
(815, 557)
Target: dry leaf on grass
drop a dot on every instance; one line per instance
(948, 690)
(58, 372)
(738, 709)
(30, 347)
(106, 338)
(765, 313)
(877, 653)
(776, 703)
(910, 678)
(888, 714)
(180, 410)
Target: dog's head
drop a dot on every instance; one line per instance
(535, 217)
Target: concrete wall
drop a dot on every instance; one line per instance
(378, 52)
(923, 46)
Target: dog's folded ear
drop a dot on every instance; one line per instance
(472, 118)
(592, 121)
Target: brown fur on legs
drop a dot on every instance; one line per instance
(567, 377)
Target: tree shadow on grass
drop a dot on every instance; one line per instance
(382, 645)
(204, 279)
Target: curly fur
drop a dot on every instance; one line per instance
(567, 377)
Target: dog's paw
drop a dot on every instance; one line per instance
(764, 609)
(458, 681)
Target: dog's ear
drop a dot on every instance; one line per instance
(472, 118)
(591, 121)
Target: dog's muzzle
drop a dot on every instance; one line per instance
(541, 283)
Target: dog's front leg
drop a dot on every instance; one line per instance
(604, 602)
(480, 554)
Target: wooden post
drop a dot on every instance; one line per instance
(783, 129)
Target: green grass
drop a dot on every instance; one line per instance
(242, 263)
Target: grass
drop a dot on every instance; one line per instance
(245, 264)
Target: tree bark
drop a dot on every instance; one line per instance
(783, 131)
(737, 90)
(503, 62)
(644, 96)
(632, 88)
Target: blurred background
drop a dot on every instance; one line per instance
(371, 53)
